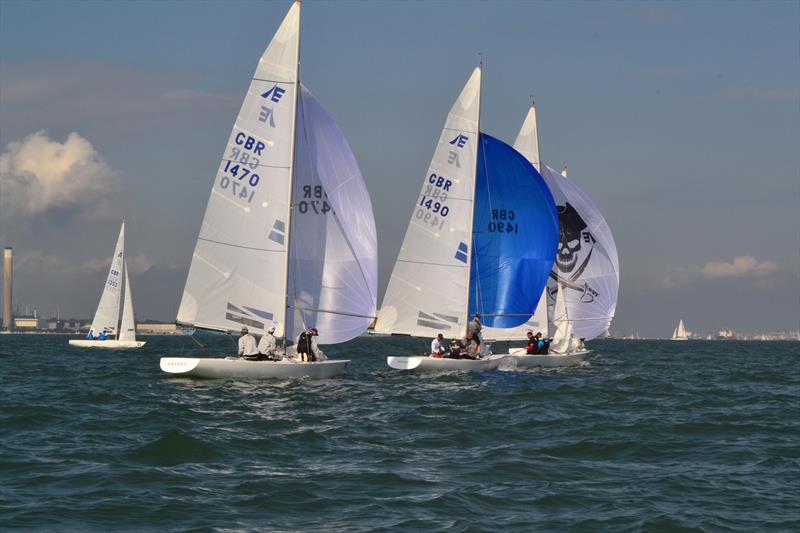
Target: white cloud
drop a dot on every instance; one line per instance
(741, 267)
(749, 92)
(39, 175)
(137, 264)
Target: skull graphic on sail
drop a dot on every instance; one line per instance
(574, 242)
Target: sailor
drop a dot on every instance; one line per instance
(533, 343)
(247, 345)
(103, 336)
(90, 335)
(438, 346)
(474, 330)
(544, 345)
(455, 349)
(472, 351)
(268, 345)
(307, 349)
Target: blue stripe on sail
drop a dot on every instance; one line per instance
(275, 236)
(461, 257)
(515, 236)
(463, 247)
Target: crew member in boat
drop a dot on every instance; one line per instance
(474, 330)
(438, 348)
(90, 335)
(533, 343)
(247, 345)
(307, 349)
(472, 351)
(268, 345)
(103, 335)
(455, 349)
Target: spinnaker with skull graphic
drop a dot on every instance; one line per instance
(586, 266)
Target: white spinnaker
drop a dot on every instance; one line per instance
(238, 272)
(527, 144)
(586, 263)
(127, 329)
(333, 265)
(428, 290)
(106, 318)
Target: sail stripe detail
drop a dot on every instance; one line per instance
(246, 321)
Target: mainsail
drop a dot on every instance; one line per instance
(482, 236)
(286, 164)
(238, 272)
(127, 329)
(428, 289)
(106, 318)
(586, 264)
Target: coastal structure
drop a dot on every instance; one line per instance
(8, 270)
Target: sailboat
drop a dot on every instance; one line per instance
(680, 333)
(481, 239)
(288, 239)
(106, 318)
(585, 275)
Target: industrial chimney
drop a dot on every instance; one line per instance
(8, 269)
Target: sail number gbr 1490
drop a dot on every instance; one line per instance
(432, 208)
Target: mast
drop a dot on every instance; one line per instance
(474, 189)
(291, 178)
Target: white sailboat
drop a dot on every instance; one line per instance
(106, 318)
(481, 239)
(288, 239)
(680, 333)
(586, 272)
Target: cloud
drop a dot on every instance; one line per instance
(100, 97)
(749, 92)
(41, 175)
(137, 264)
(741, 267)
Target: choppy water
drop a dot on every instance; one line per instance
(652, 435)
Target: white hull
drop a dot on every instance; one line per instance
(109, 343)
(679, 338)
(426, 364)
(213, 368)
(550, 360)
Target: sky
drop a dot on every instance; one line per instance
(680, 119)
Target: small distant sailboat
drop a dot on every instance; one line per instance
(680, 333)
(288, 239)
(481, 239)
(106, 318)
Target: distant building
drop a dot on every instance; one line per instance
(157, 328)
(26, 323)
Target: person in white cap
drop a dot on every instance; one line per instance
(247, 345)
(268, 345)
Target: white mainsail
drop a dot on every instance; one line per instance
(288, 239)
(417, 300)
(238, 272)
(127, 329)
(680, 332)
(586, 263)
(106, 318)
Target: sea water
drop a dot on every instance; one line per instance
(649, 435)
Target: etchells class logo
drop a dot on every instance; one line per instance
(575, 247)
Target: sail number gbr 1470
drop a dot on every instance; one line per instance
(432, 208)
(236, 177)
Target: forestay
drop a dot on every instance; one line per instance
(238, 272)
(127, 329)
(515, 234)
(106, 317)
(333, 266)
(428, 289)
(586, 263)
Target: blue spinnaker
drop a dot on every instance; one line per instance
(515, 236)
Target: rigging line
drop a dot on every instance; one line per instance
(200, 344)
(428, 263)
